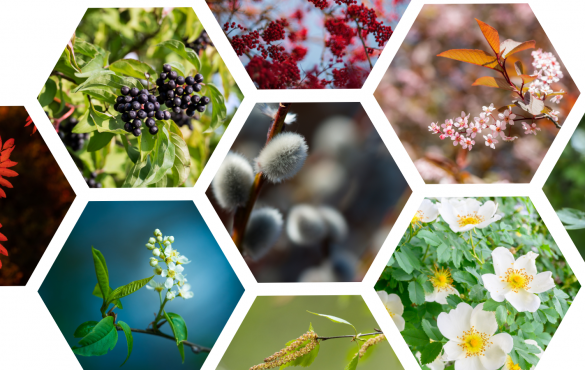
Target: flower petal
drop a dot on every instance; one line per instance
(541, 283)
(523, 300)
(454, 323)
(394, 304)
(453, 351)
(383, 296)
(473, 205)
(495, 356)
(169, 283)
(488, 210)
(502, 259)
(447, 212)
(495, 286)
(399, 321)
(484, 321)
(527, 263)
(470, 363)
(487, 222)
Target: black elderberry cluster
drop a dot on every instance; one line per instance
(91, 181)
(200, 43)
(182, 119)
(136, 106)
(178, 92)
(71, 139)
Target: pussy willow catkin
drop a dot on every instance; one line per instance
(285, 355)
(370, 342)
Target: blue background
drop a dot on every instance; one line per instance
(120, 230)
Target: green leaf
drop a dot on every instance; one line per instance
(99, 340)
(179, 329)
(138, 174)
(431, 331)
(526, 327)
(400, 275)
(48, 93)
(491, 305)
(453, 300)
(179, 48)
(335, 319)
(501, 314)
(163, 157)
(430, 352)
(129, 340)
(572, 218)
(430, 237)
(415, 337)
(84, 329)
(464, 277)
(147, 143)
(133, 68)
(182, 164)
(128, 289)
(106, 123)
(353, 363)
(101, 271)
(560, 294)
(109, 81)
(84, 126)
(99, 140)
(403, 262)
(219, 110)
(416, 292)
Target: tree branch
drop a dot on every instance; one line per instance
(196, 348)
(348, 336)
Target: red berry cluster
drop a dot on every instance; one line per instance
(274, 31)
(341, 36)
(273, 75)
(321, 4)
(369, 23)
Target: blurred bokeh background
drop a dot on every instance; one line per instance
(34, 208)
(273, 321)
(120, 230)
(564, 187)
(348, 168)
(420, 88)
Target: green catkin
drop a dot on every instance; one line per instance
(370, 342)
(289, 353)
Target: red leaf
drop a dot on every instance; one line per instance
(8, 173)
(9, 143)
(3, 251)
(2, 193)
(5, 183)
(7, 164)
(491, 35)
(6, 154)
(3, 238)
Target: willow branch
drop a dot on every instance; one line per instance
(242, 214)
(196, 348)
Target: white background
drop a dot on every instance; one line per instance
(33, 34)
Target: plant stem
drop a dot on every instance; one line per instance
(473, 248)
(159, 315)
(364, 43)
(348, 336)
(196, 348)
(242, 214)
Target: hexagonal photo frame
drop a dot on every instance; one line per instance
(322, 196)
(34, 196)
(140, 97)
(477, 283)
(158, 287)
(473, 96)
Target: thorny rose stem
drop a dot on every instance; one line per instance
(243, 213)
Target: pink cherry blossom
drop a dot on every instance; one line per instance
(434, 128)
(483, 120)
(490, 141)
(530, 129)
(474, 129)
(498, 128)
(489, 109)
(467, 143)
(507, 117)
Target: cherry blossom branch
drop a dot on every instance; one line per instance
(196, 348)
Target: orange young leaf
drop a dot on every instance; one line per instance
(498, 83)
(527, 78)
(509, 47)
(477, 57)
(29, 121)
(5, 162)
(491, 35)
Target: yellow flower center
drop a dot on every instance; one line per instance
(511, 365)
(390, 312)
(474, 343)
(441, 280)
(517, 279)
(470, 219)
(168, 260)
(171, 274)
(417, 219)
(159, 289)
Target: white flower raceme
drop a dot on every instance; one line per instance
(442, 287)
(172, 273)
(466, 214)
(437, 364)
(153, 285)
(510, 365)
(472, 343)
(232, 182)
(282, 157)
(517, 281)
(185, 291)
(394, 307)
(427, 212)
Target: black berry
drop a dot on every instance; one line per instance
(125, 90)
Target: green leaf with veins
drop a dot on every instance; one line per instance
(129, 339)
(99, 340)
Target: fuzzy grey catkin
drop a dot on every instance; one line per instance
(305, 225)
(233, 181)
(282, 157)
(262, 231)
(336, 225)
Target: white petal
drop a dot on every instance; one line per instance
(541, 283)
(495, 355)
(447, 212)
(473, 205)
(431, 297)
(441, 296)
(169, 283)
(383, 296)
(399, 321)
(487, 222)
(453, 351)
(430, 211)
(487, 210)
(394, 304)
(523, 301)
(527, 263)
(164, 273)
(149, 287)
(495, 286)
(470, 363)
(502, 259)
(484, 321)
(179, 268)
(188, 295)
(454, 323)
(171, 265)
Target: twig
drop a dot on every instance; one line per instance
(348, 336)
(196, 348)
(242, 214)
(364, 43)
